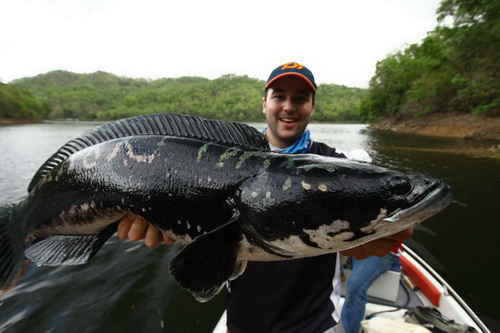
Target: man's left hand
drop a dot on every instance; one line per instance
(379, 247)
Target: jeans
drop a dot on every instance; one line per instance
(364, 272)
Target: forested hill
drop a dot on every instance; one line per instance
(17, 104)
(455, 68)
(104, 96)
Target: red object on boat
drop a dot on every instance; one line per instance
(423, 283)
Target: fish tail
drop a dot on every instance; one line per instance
(12, 260)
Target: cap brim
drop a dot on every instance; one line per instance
(291, 73)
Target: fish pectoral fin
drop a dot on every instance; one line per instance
(204, 265)
(68, 249)
(239, 269)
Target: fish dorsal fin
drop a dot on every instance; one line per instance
(227, 133)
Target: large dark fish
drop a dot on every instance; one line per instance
(210, 184)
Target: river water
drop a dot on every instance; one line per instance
(127, 288)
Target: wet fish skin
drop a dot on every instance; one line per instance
(155, 176)
(76, 205)
(230, 202)
(306, 205)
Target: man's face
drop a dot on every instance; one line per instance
(288, 106)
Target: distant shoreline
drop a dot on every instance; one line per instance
(6, 121)
(456, 125)
(452, 125)
(9, 121)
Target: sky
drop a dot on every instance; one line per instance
(340, 41)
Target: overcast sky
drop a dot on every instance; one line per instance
(339, 40)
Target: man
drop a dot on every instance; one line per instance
(289, 296)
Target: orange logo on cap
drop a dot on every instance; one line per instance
(291, 65)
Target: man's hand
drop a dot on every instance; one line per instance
(136, 228)
(379, 247)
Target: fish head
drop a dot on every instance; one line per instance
(407, 200)
(369, 202)
(311, 204)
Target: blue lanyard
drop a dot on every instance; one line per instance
(301, 146)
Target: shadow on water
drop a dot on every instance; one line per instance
(127, 287)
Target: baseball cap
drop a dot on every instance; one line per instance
(292, 68)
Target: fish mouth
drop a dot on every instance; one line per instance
(433, 201)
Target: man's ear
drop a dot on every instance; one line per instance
(263, 105)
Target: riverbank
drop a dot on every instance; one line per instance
(453, 125)
(456, 125)
(11, 121)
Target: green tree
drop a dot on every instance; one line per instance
(16, 103)
(104, 96)
(454, 68)
(475, 46)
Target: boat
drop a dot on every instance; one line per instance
(402, 301)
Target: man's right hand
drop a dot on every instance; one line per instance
(136, 228)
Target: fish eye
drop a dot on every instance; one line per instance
(400, 185)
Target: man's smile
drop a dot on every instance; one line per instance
(288, 120)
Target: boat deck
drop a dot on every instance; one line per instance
(406, 297)
(394, 293)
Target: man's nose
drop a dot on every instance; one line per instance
(288, 105)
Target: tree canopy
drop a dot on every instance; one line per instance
(455, 68)
(104, 96)
(17, 103)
